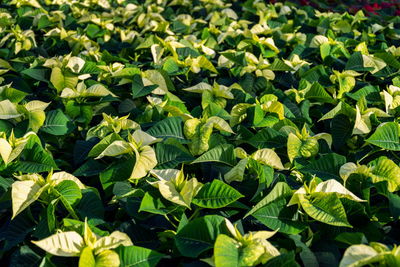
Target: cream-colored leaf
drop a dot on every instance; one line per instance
(199, 88)
(8, 110)
(146, 160)
(325, 136)
(165, 174)
(346, 170)
(190, 190)
(89, 237)
(112, 241)
(362, 124)
(116, 148)
(75, 64)
(373, 62)
(143, 139)
(5, 150)
(24, 193)
(220, 124)
(355, 255)
(65, 244)
(238, 113)
(97, 90)
(58, 177)
(318, 40)
(295, 198)
(169, 192)
(154, 77)
(237, 172)
(261, 234)
(333, 186)
(69, 93)
(36, 105)
(268, 157)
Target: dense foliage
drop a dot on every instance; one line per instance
(197, 133)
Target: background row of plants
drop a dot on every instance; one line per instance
(197, 133)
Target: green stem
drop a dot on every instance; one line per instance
(369, 154)
(168, 219)
(195, 213)
(394, 155)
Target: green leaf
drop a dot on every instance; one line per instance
(35, 160)
(107, 258)
(326, 167)
(268, 157)
(386, 136)
(103, 144)
(277, 216)
(237, 172)
(138, 89)
(170, 156)
(216, 195)
(325, 208)
(36, 73)
(66, 244)
(154, 203)
(87, 258)
(57, 123)
(226, 252)
(280, 190)
(222, 154)
(306, 255)
(25, 256)
(287, 260)
(70, 191)
(61, 80)
(384, 169)
(134, 256)
(317, 93)
(170, 127)
(199, 235)
(267, 138)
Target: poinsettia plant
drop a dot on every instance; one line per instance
(199, 133)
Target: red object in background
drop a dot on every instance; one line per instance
(370, 8)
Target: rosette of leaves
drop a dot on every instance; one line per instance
(137, 146)
(19, 39)
(301, 144)
(78, 104)
(199, 132)
(14, 108)
(12, 147)
(321, 201)
(91, 249)
(31, 187)
(217, 94)
(346, 81)
(65, 71)
(374, 253)
(380, 170)
(250, 249)
(264, 113)
(261, 157)
(391, 96)
(111, 124)
(174, 187)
